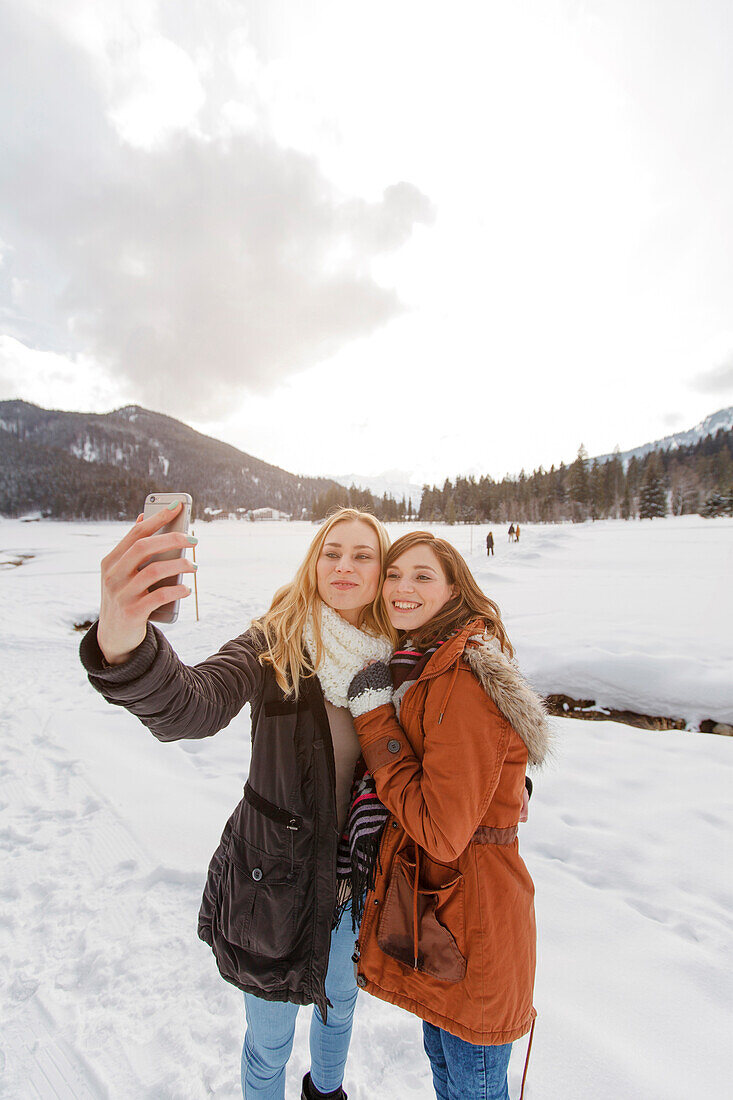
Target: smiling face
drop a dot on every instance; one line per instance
(348, 568)
(415, 588)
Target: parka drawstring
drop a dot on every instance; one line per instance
(415, 931)
(451, 685)
(526, 1060)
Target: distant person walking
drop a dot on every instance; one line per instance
(516, 533)
(489, 544)
(511, 532)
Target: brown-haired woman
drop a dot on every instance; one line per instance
(274, 911)
(447, 730)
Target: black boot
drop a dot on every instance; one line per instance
(310, 1092)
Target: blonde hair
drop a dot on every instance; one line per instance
(470, 603)
(281, 628)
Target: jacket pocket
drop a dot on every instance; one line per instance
(440, 920)
(260, 899)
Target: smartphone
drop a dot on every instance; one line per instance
(156, 502)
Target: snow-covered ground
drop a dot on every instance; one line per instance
(106, 834)
(636, 615)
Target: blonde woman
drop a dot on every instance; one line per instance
(276, 916)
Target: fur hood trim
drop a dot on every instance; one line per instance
(523, 708)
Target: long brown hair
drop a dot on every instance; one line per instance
(470, 602)
(282, 626)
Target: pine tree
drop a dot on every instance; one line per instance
(597, 490)
(579, 485)
(719, 503)
(427, 502)
(653, 496)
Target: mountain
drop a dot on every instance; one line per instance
(101, 466)
(723, 418)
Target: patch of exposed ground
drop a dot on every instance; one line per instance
(12, 561)
(564, 706)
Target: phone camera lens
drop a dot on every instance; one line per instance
(152, 500)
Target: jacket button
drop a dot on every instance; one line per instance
(360, 981)
(257, 874)
(395, 825)
(394, 745)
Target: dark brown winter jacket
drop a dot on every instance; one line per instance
(270, 893)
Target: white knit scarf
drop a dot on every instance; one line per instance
(346, 650)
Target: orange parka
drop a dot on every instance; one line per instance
(448, 931)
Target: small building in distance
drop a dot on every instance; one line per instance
(268, 513)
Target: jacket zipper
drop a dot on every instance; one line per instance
(292, 829)
(319, 712)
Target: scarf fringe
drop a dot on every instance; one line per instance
(358, 854)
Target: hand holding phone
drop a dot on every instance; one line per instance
(178, 524)
(131, 573)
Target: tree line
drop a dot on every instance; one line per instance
(387, 508)
(696, 479)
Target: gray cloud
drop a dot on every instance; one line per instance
(719, 380)
(198, 270)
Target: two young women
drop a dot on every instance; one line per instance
(451, 776)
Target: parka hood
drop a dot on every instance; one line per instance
(520, 704)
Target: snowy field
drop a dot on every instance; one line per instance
(106, 834)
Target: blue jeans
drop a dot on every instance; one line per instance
(465, 1071)
(268, 1039)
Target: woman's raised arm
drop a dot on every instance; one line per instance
(134, 666)
(172, 699)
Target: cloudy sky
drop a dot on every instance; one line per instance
(442, 238)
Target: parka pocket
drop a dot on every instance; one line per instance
(440, 920)
(260, 899)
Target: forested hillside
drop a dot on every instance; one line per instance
(101, 466)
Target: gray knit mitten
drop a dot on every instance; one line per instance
(370, 688)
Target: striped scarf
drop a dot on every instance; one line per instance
(358, 851)
(406, 666)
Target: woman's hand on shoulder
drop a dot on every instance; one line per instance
(126, 603)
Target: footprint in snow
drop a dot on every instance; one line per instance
(549, 852)
(584, 822)
(22, 989)
(711, 819)
(660, 916)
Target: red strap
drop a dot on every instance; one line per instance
(526, 1061)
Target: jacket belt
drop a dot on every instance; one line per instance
(487, 834)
